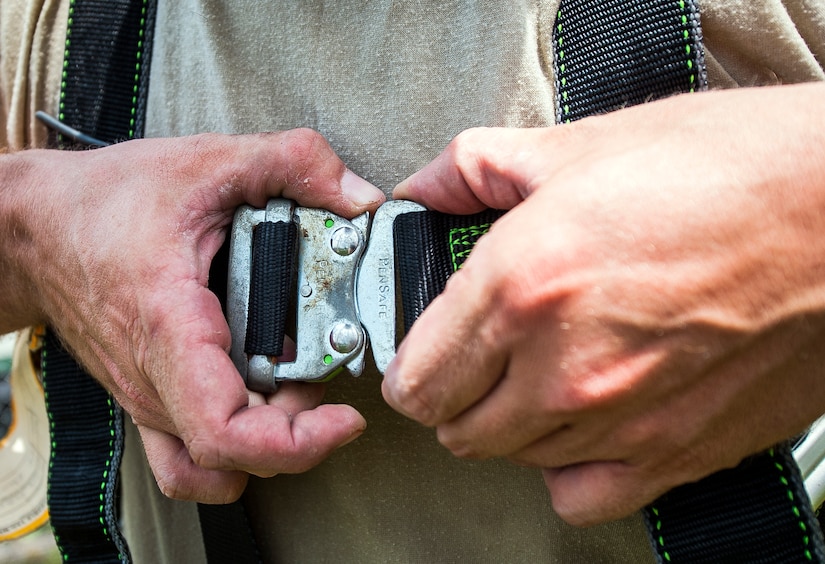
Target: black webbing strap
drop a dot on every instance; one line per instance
(615, 53)
(103, 94)
(429, 247)
(86, 428)
(227, 535)
(104, 72)
(274, 247)
(106, 67)
(756, 512)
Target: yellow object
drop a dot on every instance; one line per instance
(24, 451)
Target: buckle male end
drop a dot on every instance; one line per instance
(329, 337)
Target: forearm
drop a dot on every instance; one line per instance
(19, 235)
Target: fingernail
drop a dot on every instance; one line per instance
(354, 436)
(359, 191)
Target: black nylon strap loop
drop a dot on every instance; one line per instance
(274, 248)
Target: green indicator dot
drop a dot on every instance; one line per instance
(327, 359)
(329, 223)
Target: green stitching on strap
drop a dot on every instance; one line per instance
(783, 478)
(661, 539)
(462, 241)
(45, 382)
(105, 482)
(688, 49)
(138, 60)
(66, 61)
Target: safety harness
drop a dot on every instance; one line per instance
(608, 54)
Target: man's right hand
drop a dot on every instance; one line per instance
(112, 249)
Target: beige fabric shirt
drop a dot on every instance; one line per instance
(389, 84)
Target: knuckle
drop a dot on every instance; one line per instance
(204, 450)
(465, 151)
(459, 446)
(466, 144)
(303, 146)
(412, 398)
(170, 486)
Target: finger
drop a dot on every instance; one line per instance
(508, 422)
(292, 397)
(289, 353)
(178, 477)
(263, 440)
(297, 164)
(208, 401)
(596, 492)
(451, 338)
(268, 440)
(481, 168)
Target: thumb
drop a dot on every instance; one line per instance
(297, 164)
(481, 168)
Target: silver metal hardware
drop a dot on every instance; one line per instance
(325, 301)
(345, 292)
(345, 241)
(345, 337)
(375, 286)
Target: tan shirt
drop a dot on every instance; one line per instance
(749, 42)
(389, 84)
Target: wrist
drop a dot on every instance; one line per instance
(21, 233)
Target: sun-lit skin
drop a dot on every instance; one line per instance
(112, 248)
(650, 311)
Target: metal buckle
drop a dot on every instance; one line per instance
(345, 290)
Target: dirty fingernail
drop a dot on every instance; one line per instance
(359, 191)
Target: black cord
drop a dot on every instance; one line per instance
(53, 123)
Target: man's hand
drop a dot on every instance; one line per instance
(112, 248)
(652, 308)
